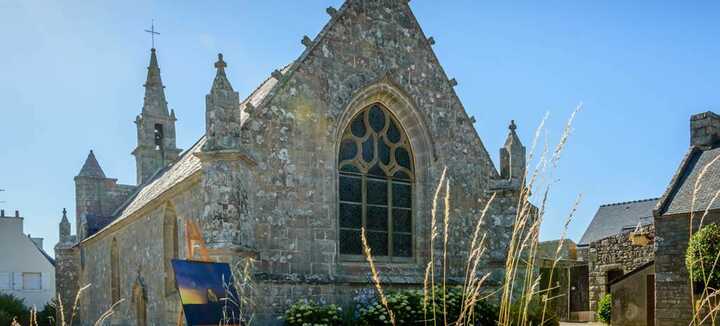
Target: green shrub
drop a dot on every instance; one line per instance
(407, 306)
(13, 307)
(604, 310)
(310, 313)
(701, 253)
(47, 315)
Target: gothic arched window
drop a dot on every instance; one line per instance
(170, 246)
(114, 272)
(140, 300)
(376, 176)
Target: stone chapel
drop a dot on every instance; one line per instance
(354, 133)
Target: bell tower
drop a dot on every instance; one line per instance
(155, 127)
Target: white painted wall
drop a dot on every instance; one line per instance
(19, 255)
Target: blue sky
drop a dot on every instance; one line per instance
(71, 75)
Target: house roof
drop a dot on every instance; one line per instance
(611, 219)
(42, 251)
(685, 194)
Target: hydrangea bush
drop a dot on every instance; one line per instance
(310, 313)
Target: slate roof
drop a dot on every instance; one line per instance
(161, 182)
(91, 167)
(187, 165)
(42, 251)
(95, 223)
(260, 93)
(612, 219)
(678, 198)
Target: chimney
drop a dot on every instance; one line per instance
(38, 241)
(705, 129)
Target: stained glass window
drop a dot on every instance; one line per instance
(375, 184)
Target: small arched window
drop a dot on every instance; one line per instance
(375, 185)
(170, 247)
(114, 272)
(140, 300)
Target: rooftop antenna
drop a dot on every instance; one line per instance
(2, 201)
(152, 32)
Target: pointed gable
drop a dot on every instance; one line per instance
(366, 42)
(91, 167)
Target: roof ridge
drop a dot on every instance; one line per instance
(159, 173)
(630, 202)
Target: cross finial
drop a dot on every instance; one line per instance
(512, 125)
(64, 212)
(220, 64)
(152, 33)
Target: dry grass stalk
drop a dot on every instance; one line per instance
(712, 313)
(472, 285)
(696, 190)
(244, 288)
(525, 236)
(375, 276)
(108, 313)
(556, 258)
(33, 316)
(429, 279)
(446, 229)
(61, 311)
(76, 304)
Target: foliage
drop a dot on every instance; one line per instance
(702, 252)
(409, 308)
(310, 313)
(604, 310)
(13, 307)
(47, 315)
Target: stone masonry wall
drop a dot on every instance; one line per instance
(286, 214)
(616, 253)
(374, 52)
(140, 246)
(672, 286)
(67, 276)
(97, 198)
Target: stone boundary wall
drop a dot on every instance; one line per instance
(617, 253)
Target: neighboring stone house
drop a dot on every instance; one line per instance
(354, 133)
(608, 248)
(688, 198)
(627, 245)
(26, 271)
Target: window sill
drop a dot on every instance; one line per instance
(379, 260)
